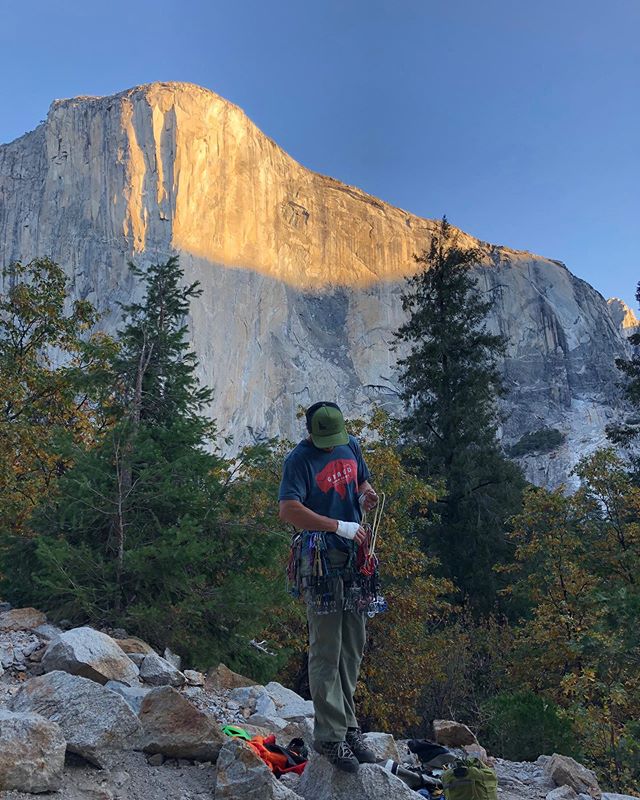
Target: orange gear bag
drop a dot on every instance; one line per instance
(278, 759)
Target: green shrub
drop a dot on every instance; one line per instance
(541, 441)
(628, 758)
(521, 726)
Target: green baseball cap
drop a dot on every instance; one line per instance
(327, 427)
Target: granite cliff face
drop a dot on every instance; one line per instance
(301, 274)
(623, 316)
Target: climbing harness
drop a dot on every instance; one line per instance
(353, 586)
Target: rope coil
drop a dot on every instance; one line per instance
(368, 561)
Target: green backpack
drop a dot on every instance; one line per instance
(470, 779)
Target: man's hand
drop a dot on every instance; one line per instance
(351, 530)
(360, 536)
(368, 499)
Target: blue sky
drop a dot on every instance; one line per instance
(519, 120)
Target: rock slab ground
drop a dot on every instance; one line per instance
(288, 705)
(321, 781)
(223, 678)
(613, 796)
(174, 727)
(242, 774)
(184, 726)
(32, 752)
(383, 745)
(562, 793)
(133, 645)
(564, 771)
(523, 780)
(133, 695)
(96, 723)
(21, 619)
(90, 654)
(131, 779)
(157, 671)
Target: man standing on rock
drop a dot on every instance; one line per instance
(325, 484)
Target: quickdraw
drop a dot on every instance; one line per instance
(293, 565)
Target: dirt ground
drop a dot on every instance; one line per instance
(131, 778)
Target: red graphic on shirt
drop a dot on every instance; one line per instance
(338, 475)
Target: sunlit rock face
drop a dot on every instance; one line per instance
(302, 274)
(623, 316)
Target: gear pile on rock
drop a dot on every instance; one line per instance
(93, 716)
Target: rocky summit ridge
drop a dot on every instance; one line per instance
(302, 274)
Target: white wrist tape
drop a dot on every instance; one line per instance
(348, 530)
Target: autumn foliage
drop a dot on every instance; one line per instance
(577, 559)
(116, 508)
(49, 376)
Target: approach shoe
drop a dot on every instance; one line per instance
(339, 754)
(359, 747)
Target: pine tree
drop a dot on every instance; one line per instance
(150, 531)
(450, 384)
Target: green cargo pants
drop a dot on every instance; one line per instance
(336, 644)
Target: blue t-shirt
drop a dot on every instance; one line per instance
(325, 482)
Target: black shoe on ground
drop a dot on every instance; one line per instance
(339, 754)
(359, 747)
(431, 755)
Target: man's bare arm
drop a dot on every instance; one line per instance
(304, 519)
